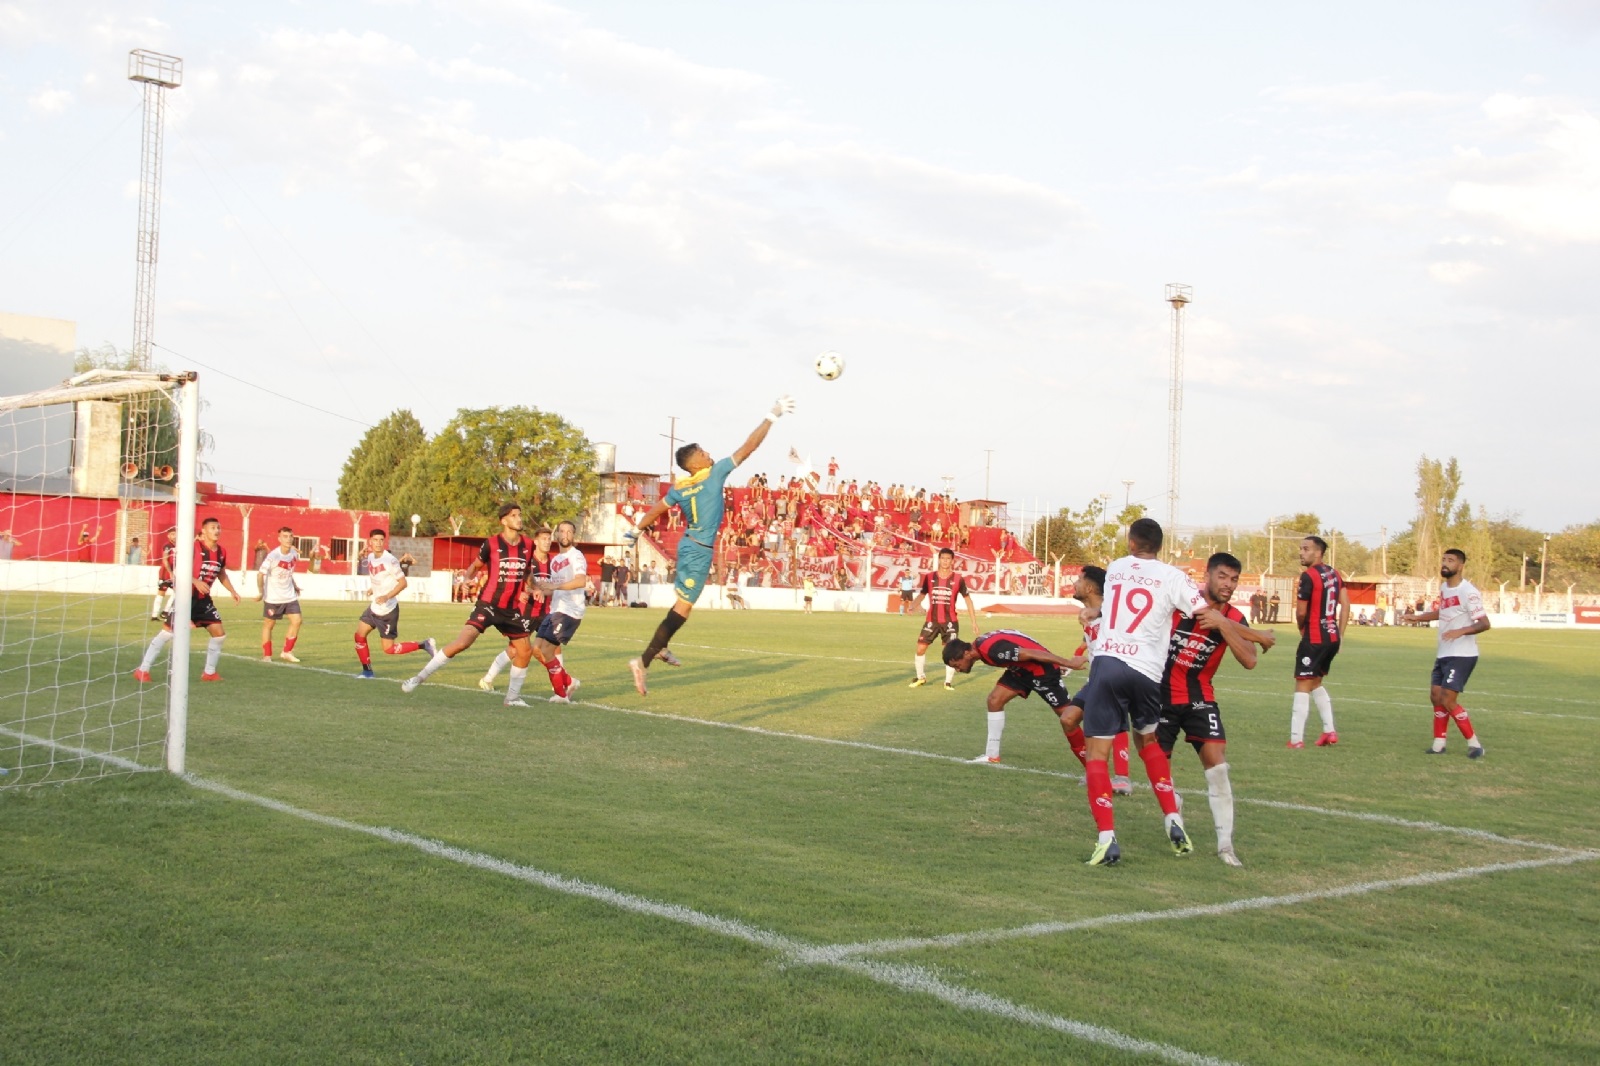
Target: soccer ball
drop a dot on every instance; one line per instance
(830, 365)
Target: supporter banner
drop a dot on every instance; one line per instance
(1587, 615)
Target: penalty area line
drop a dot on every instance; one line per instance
(905, 978)
(834, 953)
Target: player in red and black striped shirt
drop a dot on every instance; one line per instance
(210, 569)
(940, 589)
(1322, 610)
(1189, 703)
(1029, 667)
(507, 556)
(535, 604)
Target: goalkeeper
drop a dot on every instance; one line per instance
(701, 498)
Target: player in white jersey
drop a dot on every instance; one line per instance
(1461, 618)
(1089, 590)
(1142, 595)
(383, 613)
(279, 595)
(567, 587)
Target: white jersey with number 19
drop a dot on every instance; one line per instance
(1136, 617)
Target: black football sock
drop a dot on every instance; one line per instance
(669, 625)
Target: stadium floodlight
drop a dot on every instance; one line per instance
(74, 615)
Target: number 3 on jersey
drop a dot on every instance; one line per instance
(1132, 607)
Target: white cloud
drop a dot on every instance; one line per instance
(1454, 271)
(46, 102)
(1549, 192)
(1366, 95)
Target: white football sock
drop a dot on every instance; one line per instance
(501, 661)
(213, 653)
(1319, 696)
(997, 726)
(1219, 790)
(438, 660)
(157, 642)
(1297, 717)
(514, 689)
(155, 604)
(949, 675)
(921, 663)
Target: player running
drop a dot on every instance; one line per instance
(1322, 610)
(383, 613)
(1461, 618)
(1142, 595)
(1190, 702)
(506, 557)
(1029, 667)
(940, 589)
(700, 495)
(535, 604)
(567, 588)
(279, 596)
(210, 569)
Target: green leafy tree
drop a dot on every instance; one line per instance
(1438, 486)
(381, 463)
(487, 456)
(1303, 524)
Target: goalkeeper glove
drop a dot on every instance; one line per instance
(784, 405)
(630, 535)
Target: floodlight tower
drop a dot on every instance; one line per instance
(1178, 296)
(158, 73)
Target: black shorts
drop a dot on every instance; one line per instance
(1199, 722)
(945, 631)
(1120, 696)
(557, 629)
(1314, 660)
(278, 610)
(508, 620)
(162, 586)
(387, 625)
(1047, 684)
(1451, 671)
(202, 613)
(906, 596)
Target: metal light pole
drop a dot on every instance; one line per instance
(1178, 296)
(1127, 491)
(158, 73)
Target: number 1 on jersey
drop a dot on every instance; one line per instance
(1138, 600)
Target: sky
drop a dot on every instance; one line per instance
(631, 212)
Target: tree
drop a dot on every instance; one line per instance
(149, 422)
(1438, 485)
(1304, 524)
(381, 463)
(489, 456)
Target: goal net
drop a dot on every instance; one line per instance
(93, 474)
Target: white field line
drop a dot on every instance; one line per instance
(1332, 812)
(905, 978)
(834, 952)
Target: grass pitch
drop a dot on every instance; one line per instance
(779, 855)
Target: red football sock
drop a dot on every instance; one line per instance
(1464, 721)
(560, 680)
(1075, 738)
(288, 645)
(1160, 771)
(1441, 722)
(363, 653)
(1099, 787)
(401, 647)
(1119, 754)
(266, 648)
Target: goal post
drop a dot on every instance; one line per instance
(93, 474)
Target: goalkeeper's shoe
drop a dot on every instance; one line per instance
(141, 675)
(917, 682)
(666, 656)
(366, 674)
(486, 683)
(410, 684)
(1181, 844)
(1121, 786)
(210, 677)
(288, 656)
(1106, 853)
(638, 676)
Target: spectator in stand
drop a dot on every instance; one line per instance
(86, 543)
(135, 552)
(730, 589)
(841, 577)
(8, 544)
(833, 474)
(619, 580)
(936, 531)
